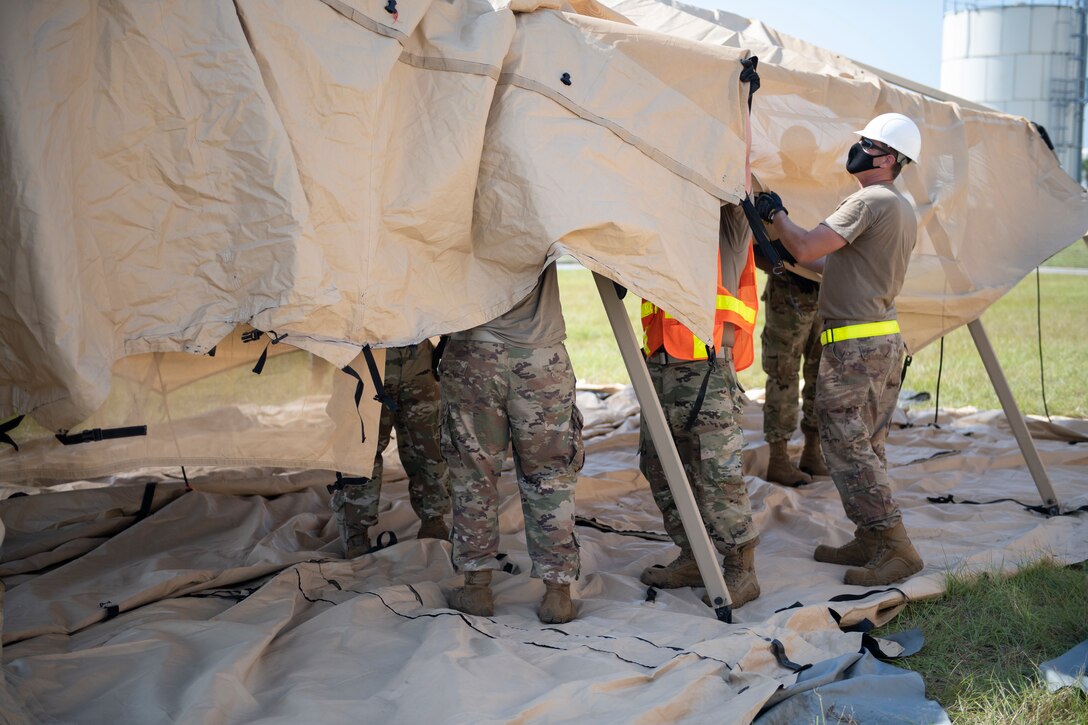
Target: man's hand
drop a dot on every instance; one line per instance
(768, 204)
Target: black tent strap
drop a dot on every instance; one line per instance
(358, 398)
(273, 339)
(779, 651)
(595, 524)
(1047, 511)
(750, 76)
(148, 499)
(112, 610)
(712, 365)
(436, 356)
(342, 480)
(759, 233)
(7, 427)
(101, 434)
(376, 377)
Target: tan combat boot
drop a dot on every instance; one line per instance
(781, 470)
(812, 457)
(739, 570)
(556, 607)
(894, 558)
(857, 552)
(356, 542)
(680, 572)
(434, 528)
(475, 596)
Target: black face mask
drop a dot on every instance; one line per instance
(857, 160)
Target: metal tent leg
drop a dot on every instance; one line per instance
(1013, 414)
(705, 556)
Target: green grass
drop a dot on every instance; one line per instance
(1075, 255)
(986, 637)
(1010, 324)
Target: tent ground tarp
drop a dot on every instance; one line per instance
(231, 608)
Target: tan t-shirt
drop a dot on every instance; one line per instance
(861, 280)
(536, 321)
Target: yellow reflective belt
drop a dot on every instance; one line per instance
(732, 304)
(865, 329)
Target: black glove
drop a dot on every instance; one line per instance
(768, 204)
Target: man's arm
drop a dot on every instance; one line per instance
(808, 246)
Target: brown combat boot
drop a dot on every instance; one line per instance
(857, 552)
(739, 570)
(475, 596)
(356, 542)
(894, 558)
(680, 572)
(812, 457)
(781, 470)
(434, 528)
(556, 607)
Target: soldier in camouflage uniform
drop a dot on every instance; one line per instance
(511, 381)
(710, 443)
(410, 382)
(791, 331)
(866, 244)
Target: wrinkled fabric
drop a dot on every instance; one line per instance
(856, 393)
(710, 451)
(495, 395)
(791, 334)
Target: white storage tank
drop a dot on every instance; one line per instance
(1024, 58)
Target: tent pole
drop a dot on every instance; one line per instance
(705, 556)
(1013, 415)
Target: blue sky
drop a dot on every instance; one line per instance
(899, 36)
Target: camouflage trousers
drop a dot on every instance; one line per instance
(710, 452)
(494, 395)
(855, 397)
(791, 332)
(409, 381)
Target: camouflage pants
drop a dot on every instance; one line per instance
(494, 395)
(409, 381)
(792, 331)
(710, 452)
(855, 397)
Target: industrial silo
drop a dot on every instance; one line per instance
(1022, 58)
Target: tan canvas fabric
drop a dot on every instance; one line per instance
(991, 199)
(344, 174)
(239, 608)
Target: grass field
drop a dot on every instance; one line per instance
(1010, 324)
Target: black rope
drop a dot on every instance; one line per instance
(1047, 511)
(937, 397)
(1039, 329)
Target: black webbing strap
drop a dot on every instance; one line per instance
(712, 365)
(358, 399)
(779, 651)
(148, 499)
(903, 375)
(376, 377)
(385, 540)
(211, 353)
(8, 427)
(112, 610)
(759, 233)
(272, 340)
(436, 356)
(342, 480)
(101, 434)
(1048, 511)
(750, 76)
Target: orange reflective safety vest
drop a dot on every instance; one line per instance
(661, 330)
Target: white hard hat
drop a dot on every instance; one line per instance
(897, 131)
